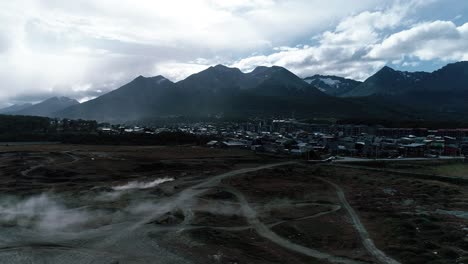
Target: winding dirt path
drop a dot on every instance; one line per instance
(115, 238)
(364, 235)
(267, 233)
(185, 196)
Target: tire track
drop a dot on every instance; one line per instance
(265, 232)
(363, 234)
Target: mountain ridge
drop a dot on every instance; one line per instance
(332, 85)
(128, 101)
(388, 81)
(14, 108)
(217, 91)
(220, 91)
(48, 107)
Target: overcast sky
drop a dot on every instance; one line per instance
(84, 48)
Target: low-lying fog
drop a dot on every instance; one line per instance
(52, 212)
(91, 227)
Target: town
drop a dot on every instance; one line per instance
(312, 141)
(284, 137)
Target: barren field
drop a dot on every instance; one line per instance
(103, 204)
(412, 219)
(434, 167)
(448, 168)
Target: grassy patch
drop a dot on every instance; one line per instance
(460, 170)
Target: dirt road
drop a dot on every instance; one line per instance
(366, 240)
(266, 232)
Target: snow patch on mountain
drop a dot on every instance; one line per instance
(161, 80)
(330, 82)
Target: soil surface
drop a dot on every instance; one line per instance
(187, 204)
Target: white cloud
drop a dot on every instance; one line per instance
(51, 47)
(85, 48)
(441, 40)
(341, 51)
(177, 71)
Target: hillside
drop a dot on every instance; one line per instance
(47, 108)
(221, 91)
(388, 81)
(14, 108)
(140, 98)
(440, 95)
(452, 77)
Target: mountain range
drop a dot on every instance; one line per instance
(14, 108)
(221, 91)
(273, 91)
(442, 94)
(387, 81)
(46, 108)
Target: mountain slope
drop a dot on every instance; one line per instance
(47, 107)
(388, 81)
(278, 81)
(452, 77)
(221, 79)
(217, 79)
(332, 85)
(138, 99)
(14, 108)
(227, 91)
(223, 90)
(442, 94)
(220, 91)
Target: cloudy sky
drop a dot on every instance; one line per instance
(84, 48)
